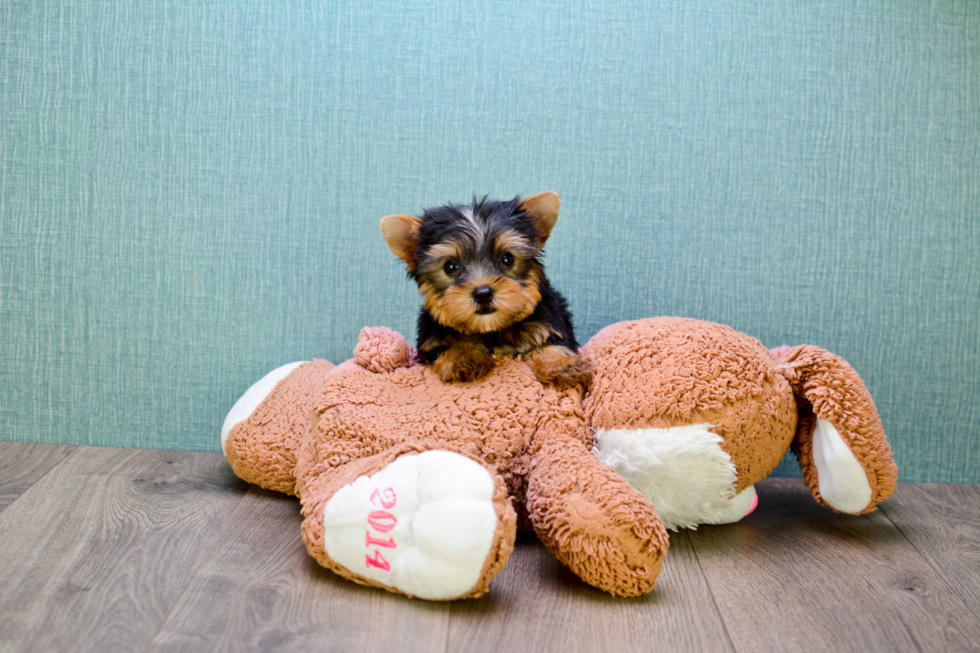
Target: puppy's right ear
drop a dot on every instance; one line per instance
(401, 232)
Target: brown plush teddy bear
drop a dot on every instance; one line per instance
(418, 486)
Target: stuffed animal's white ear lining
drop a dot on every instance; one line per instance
(424, 524)
(682, 470)
(249, 401)
(842, 481)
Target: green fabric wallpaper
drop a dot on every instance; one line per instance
(190, 191)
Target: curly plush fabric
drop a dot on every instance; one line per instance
(592, 520)
(533, 438)
(381, 349)
(830, 389)
(666, 372)
(664, 390)
(262, 448)
(321, 489)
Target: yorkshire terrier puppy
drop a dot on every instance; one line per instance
(486, 295)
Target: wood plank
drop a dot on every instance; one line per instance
(804, 578)
(942, 521)
(259, 589)
(23, 463)
(537, 604)
(95, 556)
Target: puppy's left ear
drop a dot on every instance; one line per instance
(401, 232)
(543, 210)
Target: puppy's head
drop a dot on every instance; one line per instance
(477, 266)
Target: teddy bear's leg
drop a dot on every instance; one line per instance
(260, 436)
(433, 524)
(840, 443)
(592, 519)
(682, 470)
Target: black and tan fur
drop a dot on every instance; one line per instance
(486, 296)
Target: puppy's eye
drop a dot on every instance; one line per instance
(450, 267)
(506, 260)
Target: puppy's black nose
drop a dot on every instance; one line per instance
(483, 295)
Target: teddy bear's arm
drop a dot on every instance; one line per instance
(590, 518)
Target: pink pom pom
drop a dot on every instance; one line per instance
(779, 352)
(381, 349)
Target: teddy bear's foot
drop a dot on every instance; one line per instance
(424, 525)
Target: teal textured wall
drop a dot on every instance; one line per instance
(190, 192)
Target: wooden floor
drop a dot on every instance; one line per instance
(137, 550)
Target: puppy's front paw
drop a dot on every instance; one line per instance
(561, 367)
(463, 362)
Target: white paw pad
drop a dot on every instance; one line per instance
(423, 525)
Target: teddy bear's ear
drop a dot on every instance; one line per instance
(840, 442)
(401, 232)
(543, 209)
